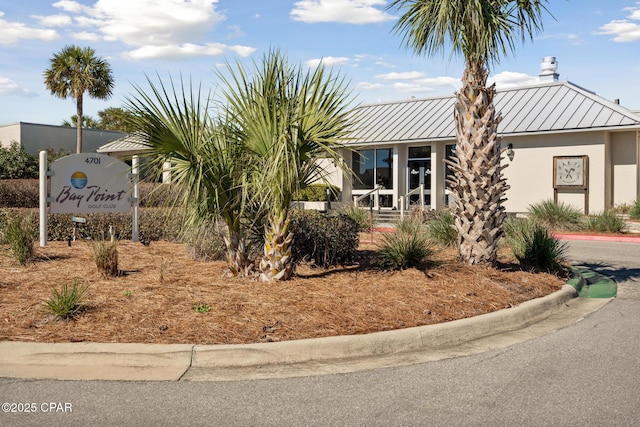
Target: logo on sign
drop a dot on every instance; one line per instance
(78, 180)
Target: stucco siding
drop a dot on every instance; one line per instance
(530, 173)
(9, 134)
(624, 168)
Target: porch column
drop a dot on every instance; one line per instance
(637, 164)
(437, 176)
(397, 176)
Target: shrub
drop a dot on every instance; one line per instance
(407, 247)
(105, 255)
(607, 222)
(19, 193)
(634, 213)
(360, 216)
(68, 302)
(19, 233)
(442, 228)
(556, 216)
(206, 241)
(324, 240)
(16, 163)
(532, 245)
(317, 193)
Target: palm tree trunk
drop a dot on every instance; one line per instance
(239, 264)
(79, 124)
(478, 182)
(277, 262)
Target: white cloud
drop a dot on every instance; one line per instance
(11, 32)
(186, 50)
(9, 87)
(509, 79)
(345, 11)
(59, 20)
(153, 28)
(624, 30)
(327, 61)
(407, 75)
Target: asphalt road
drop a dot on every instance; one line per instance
(584, 375)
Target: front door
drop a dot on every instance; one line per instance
(419, 172)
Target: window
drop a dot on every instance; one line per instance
(373, 167)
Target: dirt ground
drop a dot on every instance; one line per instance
(157, 296)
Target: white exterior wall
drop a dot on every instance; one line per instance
(624, 173)
(9, 134)
(530, 173)
(35, 137)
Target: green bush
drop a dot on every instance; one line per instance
(634, 213)
(442, 228)
(69, 302)
(556, 216)
(324, 240)
(155, 224)
(16, 163)
(19, 233)
(317, 193)
(407, 247)
(532, 245)
(607, 222)
(360, 216)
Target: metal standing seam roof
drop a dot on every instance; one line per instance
(136, 141)
(548, 107)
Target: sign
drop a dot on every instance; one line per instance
(90, 183)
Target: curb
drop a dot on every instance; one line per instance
(174, 362)
(597, 238)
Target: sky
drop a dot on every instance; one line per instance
(596, 44)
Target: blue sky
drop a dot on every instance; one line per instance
(596, 43)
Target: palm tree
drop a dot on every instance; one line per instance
(115, 118)
(481, 31)
(87, 121)
(73, 72)
(208, 164)
(287, 118)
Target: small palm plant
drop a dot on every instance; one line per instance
(533, 245)
(19, 233)
(407, 247)
(68, 302)
(634, 213)
(556, 216)
(105, 254)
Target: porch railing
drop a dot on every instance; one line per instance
(376, 201)
(404, 200)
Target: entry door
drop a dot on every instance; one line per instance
(419, 172)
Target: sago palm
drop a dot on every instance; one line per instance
(481, 31)
(288, 119)
(207, 163)
(74, 71)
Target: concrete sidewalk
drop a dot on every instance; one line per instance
(178, 362)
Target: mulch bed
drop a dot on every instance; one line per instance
(154, 299)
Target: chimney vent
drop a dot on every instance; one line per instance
(549, 69)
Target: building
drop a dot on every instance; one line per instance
(36, 137)
(560, 141)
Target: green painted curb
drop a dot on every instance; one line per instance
(590, 284)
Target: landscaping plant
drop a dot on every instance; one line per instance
(556, 216)
(442, 228)
(19, 234)
(607, 222)
(105, 254)
(634, 213)
(68, 302)
(533, 246)
(407, 247)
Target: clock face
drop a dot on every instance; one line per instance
(569, 172)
